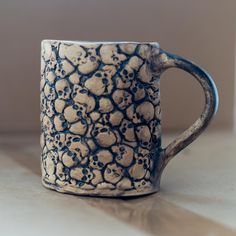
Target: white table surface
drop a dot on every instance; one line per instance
(197, 197)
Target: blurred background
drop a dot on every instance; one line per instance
(203, 31)
(198, 190)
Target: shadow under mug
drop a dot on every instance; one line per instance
(101, 116)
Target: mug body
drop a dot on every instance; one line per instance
(100, 118)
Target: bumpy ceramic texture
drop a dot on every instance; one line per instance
(100, 116)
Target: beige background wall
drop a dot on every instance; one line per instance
(200, 30)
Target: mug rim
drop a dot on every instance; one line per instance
(83, 42)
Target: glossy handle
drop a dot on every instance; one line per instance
(165, 60)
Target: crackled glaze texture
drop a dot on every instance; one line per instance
(100, 116)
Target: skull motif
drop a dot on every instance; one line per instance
(154, 95)
(101, 82)
(63, 89)
(110, 55)
(54, 141)
(68, 158)
(139, 169)
(113, 173)
(133, 115)
(144, 136)
(51, 65)
(138, 90)
(90, 62)
(84, 175)
(80, 95)
(142, 184)
(80, 147)
(122, 98)
(75, 112)
(60, 122)
(104, 119)
(58, 140)
(49, 92)
(63, 69)
(100, 159)
(124, 154)
(104, 135)
(125, 78)
(73, 53)
(127, 129)
(100, 117)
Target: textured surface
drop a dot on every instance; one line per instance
(100, 118)
(198, 196)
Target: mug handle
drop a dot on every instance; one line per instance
(160, 63)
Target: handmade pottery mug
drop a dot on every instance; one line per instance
(101, 116)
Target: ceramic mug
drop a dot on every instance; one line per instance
(101, 116)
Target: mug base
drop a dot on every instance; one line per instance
(113, 193)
